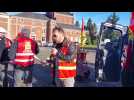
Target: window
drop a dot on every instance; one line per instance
(21, 20)
(44, 31)
(43, 38)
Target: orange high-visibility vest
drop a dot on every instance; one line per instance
(25, 52)
(66, 69)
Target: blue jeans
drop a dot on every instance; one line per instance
(23, 78)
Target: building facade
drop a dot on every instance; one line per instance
(40, 25)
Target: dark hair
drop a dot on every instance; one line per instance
(25, 32)
(58, 28)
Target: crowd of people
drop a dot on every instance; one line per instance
(21, 53)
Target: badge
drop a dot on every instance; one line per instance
(27, 46)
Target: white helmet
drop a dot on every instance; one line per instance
(106, 41)
(4, 32)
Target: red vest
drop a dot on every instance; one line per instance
(25, 52)
(66, 69)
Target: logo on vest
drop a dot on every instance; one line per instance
(27, 47)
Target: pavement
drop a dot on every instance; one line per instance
(42, 78)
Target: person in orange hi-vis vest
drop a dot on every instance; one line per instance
(22, 54)
(65, 54)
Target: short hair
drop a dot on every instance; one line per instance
(25, 31)
(58, 28)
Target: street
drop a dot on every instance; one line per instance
(42, 78)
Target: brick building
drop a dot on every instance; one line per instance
(40, 25)
(66, 21)
(4, 19)
(36, 23)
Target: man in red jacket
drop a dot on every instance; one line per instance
(22, 54)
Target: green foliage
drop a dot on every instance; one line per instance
(92, 30)
(113, 18)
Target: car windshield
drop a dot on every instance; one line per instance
(111, 34)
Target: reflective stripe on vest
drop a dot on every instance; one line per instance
(24, 57)
(26, 60)
(24, 54)
(66, 69)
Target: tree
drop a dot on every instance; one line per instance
(94, 33)
(109, 33)
(88, 40)
(77, 24)
(89, 26)
(92, 29)
(113, 18)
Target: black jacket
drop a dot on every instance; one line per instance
(3, 50)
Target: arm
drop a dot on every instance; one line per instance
(36, 48)
(12, 51)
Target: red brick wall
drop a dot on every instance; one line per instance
(4, 22)
(18, 22)
(51, 25)
(38, 26)
(13, 32)
(3, 19)
(66, 19)
(72, 33)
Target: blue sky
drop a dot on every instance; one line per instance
(98, 17)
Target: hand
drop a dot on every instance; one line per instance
(11, 61)
(44, 62)
(54, 51)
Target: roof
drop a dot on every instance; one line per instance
(3, 13)
(33, 15)
(66, 13)
(68, 26)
